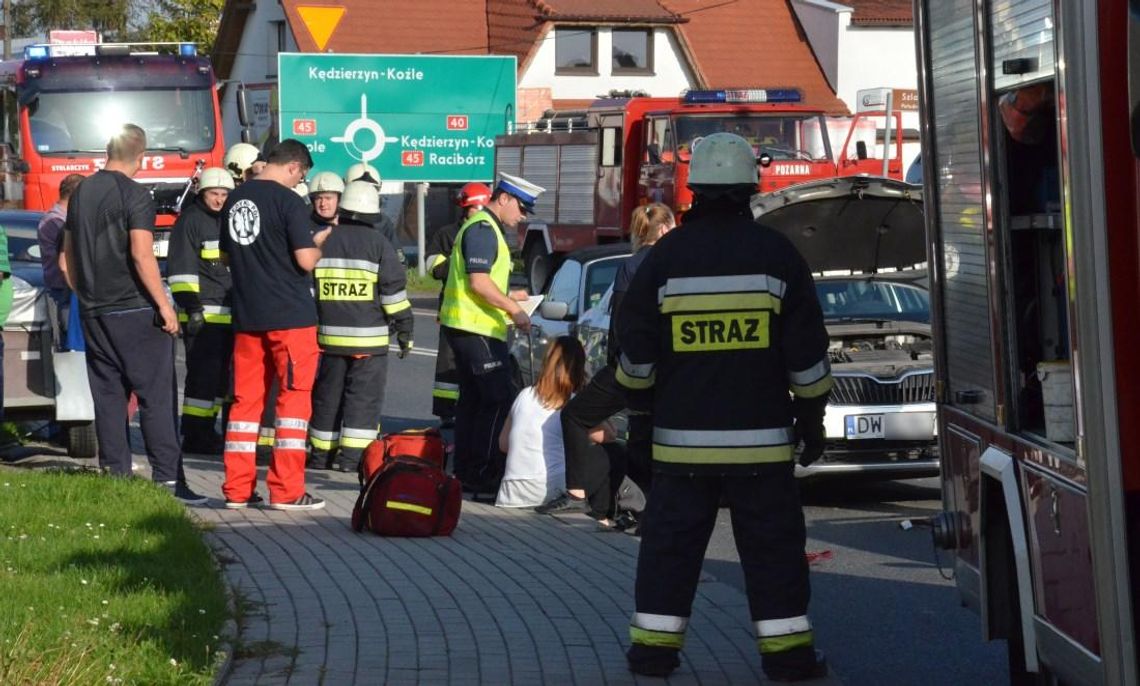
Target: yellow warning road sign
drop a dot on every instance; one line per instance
(321, 22)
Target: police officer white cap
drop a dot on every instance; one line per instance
(525, 191)
(723, 159)
(326, 182)
(215, 177)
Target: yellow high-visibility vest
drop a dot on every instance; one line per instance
(462, 308)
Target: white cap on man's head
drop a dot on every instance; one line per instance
(525, 191)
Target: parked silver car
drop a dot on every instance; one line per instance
(577, 286)
(864, 239)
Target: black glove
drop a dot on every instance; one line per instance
(809, 428)
(194, 323)
(404, 339)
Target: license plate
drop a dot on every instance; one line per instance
(890, 426)
(161, 245)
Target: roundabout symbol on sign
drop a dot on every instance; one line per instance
(364, 123)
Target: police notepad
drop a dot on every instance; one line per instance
(530, 305)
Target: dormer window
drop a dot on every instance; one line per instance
(576, 50)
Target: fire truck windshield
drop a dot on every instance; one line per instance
(784, 137)
(83, 121)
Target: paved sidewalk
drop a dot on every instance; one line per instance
(511, 598)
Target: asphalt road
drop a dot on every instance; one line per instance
(881, 609)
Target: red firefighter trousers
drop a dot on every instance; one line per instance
(291, 357)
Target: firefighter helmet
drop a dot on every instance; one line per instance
(362, 171)
(326, 182)
(473, 195)
(302, 189)
(723, 159)
(239, 158)
(215, 177)
(361, 200)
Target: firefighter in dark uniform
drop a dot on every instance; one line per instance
(721, 325)
(445, 391)
(361, 297)
(477, 309)
(200, 283)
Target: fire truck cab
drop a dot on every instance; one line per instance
(1033, 221)
(598, 164)
(72, 97)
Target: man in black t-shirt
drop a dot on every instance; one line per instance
(128, 322)
(267, 233)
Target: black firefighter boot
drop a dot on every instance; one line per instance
(199, 437)
(798, 664)
(655, 661)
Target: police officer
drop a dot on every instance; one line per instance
(362, 171)
(477, 309)
(721, 323)
(241, 161)
(360, 296)
(324, 195)
(445, 391)
(200, 283)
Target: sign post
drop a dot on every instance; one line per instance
(417, 118)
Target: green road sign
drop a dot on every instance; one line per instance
(413, 117)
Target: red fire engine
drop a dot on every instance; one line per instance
(1033, 218)
(72, 98)
(599, 163)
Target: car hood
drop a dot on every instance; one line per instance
(858, 223)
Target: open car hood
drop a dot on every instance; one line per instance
(857, 223)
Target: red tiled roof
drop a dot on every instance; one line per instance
(513, 28)
(648, 11)
(754, 43)
(881, 12)
(453, 27)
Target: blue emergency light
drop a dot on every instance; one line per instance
(187, 50)
(741, 95)
(36, 52)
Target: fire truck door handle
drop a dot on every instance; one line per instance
(1055, 511)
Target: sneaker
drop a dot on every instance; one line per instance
(254, 501)
(564, 504)
(305, 502)
(180, 490)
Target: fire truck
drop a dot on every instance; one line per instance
(1031, 138)
(73, 97)
(598, 164)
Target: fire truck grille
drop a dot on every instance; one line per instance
(867, 390)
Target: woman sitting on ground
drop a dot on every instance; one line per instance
(532, 436)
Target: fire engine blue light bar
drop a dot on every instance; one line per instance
(36, 52)
(742, 95)
(187, 50)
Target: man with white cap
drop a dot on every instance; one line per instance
(200, 283)
(476, 311)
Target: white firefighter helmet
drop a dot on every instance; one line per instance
(326, 182)
(302, 189)
(363, 171)
(360, 198)
(215, 177)
(239, 158)
(723, 159)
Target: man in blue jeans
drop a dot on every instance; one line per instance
(128, 322)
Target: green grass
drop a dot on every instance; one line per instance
(421, 284)
(103, 580)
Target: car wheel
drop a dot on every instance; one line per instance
(537, 266)
(81, 440)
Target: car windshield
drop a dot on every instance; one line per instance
(802, 137)
(868, 299)
(599, 277)
(174, 119)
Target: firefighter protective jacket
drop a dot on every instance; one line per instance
(198, 278)
(360, 291)
(723, 323)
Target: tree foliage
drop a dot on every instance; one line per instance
(109, 17)
(193, 21)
